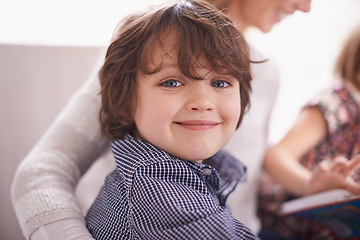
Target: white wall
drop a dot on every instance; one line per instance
(63, 22)
(35, 84)
(305, 46)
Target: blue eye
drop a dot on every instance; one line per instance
(220, 84)
(172, 83)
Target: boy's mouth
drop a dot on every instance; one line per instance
(198, 124)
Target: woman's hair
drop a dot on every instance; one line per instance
(204, 37)
(348, 62)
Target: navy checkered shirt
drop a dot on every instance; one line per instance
(153, 195)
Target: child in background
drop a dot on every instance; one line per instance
(328, 128)
(174, 86)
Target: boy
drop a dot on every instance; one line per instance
(175, 85)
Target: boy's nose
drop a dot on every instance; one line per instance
(199, 100)
(201, 108)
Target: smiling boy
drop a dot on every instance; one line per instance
(174, 86)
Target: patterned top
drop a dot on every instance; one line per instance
(342, 114)
(153, 195)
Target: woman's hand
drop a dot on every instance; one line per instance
(334, 174)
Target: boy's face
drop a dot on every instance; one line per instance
(190, 119)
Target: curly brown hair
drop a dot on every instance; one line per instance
(202, 33)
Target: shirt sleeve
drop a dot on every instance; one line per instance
(44, 183)
(175, 205)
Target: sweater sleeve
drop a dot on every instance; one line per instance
(43, 189)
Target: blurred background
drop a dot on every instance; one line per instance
(49, 48)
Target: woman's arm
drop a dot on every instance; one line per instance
(282, 160)
(44, 184)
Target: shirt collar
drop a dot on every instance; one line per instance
(229, 169)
